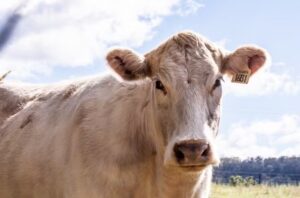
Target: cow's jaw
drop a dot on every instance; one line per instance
(182, 184)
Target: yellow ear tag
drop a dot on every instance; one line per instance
(242, 77)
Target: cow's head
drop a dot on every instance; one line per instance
(186, 75)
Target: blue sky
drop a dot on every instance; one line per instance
(57, 40)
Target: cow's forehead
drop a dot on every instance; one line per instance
(186, 51)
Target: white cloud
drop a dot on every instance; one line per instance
(267, 138)
(267, 82)
(6, 6)
(190, 6)
(222, 43)
(64, 33)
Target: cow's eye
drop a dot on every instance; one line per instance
(160, 86)
(217, 83)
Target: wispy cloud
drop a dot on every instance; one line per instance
(63, 33)
(265, 138)
(189, 7)
(267, 82)
(222, 43)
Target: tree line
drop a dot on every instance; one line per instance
(282, 170)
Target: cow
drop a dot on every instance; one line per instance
(147, 129)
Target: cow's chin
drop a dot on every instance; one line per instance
(188, 168)
(192, 168)
(197, 167)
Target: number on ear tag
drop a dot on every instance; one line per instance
(242, 77)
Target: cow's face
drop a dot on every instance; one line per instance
(186, 74)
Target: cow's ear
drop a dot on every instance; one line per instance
(128, 64)
(247, 59)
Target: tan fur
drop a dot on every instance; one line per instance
(102, 138)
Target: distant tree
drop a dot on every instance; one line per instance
(249, 181)
(236, 180)
(282, 170)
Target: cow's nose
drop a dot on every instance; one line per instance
(192, 152)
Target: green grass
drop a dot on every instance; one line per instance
(258, 191)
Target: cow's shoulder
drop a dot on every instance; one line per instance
(15, 97)
(12, 98)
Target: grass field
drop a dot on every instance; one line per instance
(259, 191)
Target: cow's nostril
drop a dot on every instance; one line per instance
(178, 153)
(205, 152)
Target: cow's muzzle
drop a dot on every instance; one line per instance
(193, 153)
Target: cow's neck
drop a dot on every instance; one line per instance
(185, 184)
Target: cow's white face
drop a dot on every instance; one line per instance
(188, 94)
(186, 75)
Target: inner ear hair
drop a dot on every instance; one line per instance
(128, 64)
